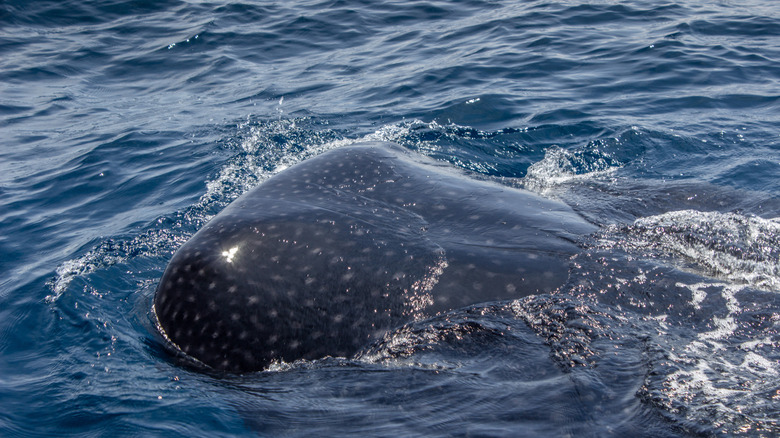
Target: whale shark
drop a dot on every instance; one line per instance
(333, 253)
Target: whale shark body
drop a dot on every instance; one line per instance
(333, 253)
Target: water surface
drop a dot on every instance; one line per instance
(126, 125)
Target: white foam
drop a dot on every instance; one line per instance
(742, 249)
(71, 269)
(717, 374)
(560, 167)
(698, 295)
(109, 253)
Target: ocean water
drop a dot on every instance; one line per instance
(126, 125)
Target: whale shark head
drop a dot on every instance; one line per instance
(242, 294)
(330, 254)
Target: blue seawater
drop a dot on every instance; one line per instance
(126, 125)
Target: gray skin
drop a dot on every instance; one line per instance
(331, 254)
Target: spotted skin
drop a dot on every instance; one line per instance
(332, 253)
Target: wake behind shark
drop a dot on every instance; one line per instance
(334, 252)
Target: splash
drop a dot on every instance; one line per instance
(265, 149)
(742, 249)
(114, 251)
(271, 147)
(561, 167)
